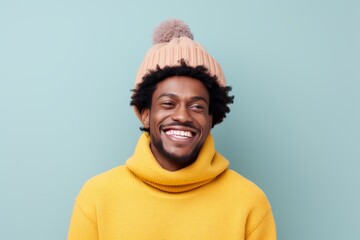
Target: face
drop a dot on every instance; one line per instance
(178, 120)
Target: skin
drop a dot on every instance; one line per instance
(179, 121)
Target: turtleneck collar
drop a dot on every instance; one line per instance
(207, 166)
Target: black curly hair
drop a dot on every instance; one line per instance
(219, 96)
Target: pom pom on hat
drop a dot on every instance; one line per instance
(172, 28)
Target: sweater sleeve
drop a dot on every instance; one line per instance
(83, 224)
(265, 230)
(260, 221)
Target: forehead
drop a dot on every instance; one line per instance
(181, 86)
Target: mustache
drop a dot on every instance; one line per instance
(176, 124)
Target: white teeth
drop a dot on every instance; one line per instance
(179, 134)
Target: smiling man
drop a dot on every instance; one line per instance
(176, 185)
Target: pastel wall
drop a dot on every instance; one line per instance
(67, 67)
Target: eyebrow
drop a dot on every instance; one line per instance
(171, 95)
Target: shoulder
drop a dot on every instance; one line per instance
(103, 182)
(242, 188)
(238, 181)
(104, 177)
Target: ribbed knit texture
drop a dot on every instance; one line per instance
(208, 166)
(143, 201)
(170, 54)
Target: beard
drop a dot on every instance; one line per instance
(184, 160)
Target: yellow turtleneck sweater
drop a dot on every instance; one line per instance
(141, 200)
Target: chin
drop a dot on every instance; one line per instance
(177, 155)
(180, 159)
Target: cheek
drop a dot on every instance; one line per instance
(206, 123)
(158, 118)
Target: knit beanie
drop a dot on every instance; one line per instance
(173, 41)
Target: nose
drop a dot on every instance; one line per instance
(182, 114)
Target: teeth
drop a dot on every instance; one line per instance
(179, 134)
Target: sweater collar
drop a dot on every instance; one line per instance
(207, 166)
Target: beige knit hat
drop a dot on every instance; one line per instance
(173, 41)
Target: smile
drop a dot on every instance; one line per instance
(179, 134)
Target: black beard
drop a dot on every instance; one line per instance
(180, 160)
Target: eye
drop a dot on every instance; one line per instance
(197, 107)
(167, 104)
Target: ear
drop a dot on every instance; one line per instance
(210, 121)
(145, 117)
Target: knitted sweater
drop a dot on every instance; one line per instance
(141, 200)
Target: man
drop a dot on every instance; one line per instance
(175, 186)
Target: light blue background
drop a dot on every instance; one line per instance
(66, 68)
